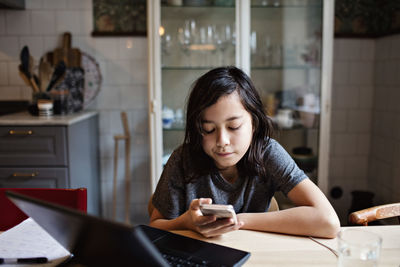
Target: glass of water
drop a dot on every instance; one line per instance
(358, 248)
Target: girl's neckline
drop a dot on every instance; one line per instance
(229, 185)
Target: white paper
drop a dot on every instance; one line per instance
(27, 240)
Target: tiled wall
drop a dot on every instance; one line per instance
(123, 63)
(352, 104)
(365, 129)
(384, 167)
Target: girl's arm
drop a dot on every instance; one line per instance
(312, 216)
(193, 220)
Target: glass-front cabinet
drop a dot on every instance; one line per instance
(284, 45)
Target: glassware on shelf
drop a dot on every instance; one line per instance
(186, 38)
(166, 48)
(223, 40)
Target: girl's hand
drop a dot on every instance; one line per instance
(208, 226)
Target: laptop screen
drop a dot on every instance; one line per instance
(92, 241)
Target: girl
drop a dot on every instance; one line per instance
(228, 157)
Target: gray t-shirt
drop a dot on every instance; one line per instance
(173, 194)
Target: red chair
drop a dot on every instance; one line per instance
(11, 215)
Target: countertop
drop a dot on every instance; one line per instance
(24, 118)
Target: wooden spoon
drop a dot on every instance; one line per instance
(45, 71)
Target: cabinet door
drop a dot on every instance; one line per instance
(32, 146)
(34, 177)
(286, 48)
(195, 37)
(287, 62)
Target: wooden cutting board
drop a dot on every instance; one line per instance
(70, 56)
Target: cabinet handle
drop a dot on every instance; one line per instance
(14, 132)
(20, 174)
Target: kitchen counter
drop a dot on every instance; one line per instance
(24, 118)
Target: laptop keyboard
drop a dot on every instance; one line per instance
(175, 260)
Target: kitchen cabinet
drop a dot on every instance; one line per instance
(284, 45)
(51, 152)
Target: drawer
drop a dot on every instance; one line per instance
(34, 177)
(33, 146)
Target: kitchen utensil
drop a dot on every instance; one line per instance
(23, 76)
(70, 56)
(27, 63)
(58, 73)
(45, 73)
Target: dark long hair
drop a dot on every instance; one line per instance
(205, 92)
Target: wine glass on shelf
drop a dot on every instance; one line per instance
(186, 38)
(223, 39)
(166, 48)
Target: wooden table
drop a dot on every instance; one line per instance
(269, 249)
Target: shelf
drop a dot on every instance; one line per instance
(233, 6)
(174, 129)
(305, 67)
(188, 68)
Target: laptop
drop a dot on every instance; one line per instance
(94, 241)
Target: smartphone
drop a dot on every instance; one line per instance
(220, 211)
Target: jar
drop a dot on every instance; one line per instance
(60, 98)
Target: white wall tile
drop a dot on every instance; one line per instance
(26, 93)
(356, 168)
(344, 144)
(366, 94)
(367, 52)
(85, 44)
(9, 93)
(33, 4)
(79, 4)
(339, 121)
(133, 97)
(118, 72)
(359, 121)
(106, 48)
(346, 97)
(86, 21)
(383, 48)
(139, 121)
(108, 98)
(51, 4)
(14, 78)
(43, 23)
(139, 71)
(3, 73)
(50, 43)
(341, 73)
(9, 48)
(2, 22)
(336, 168)
(363, 144)
(350, 49)
(35, 45)
(132, 48)
(18, 22)
(104, 122)
(68, 21)
(395, 51)
(116, 122)
(361, 73)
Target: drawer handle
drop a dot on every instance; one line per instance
(14, 132)
(20, 174)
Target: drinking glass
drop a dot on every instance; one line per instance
(223, 40)
(358, 248)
